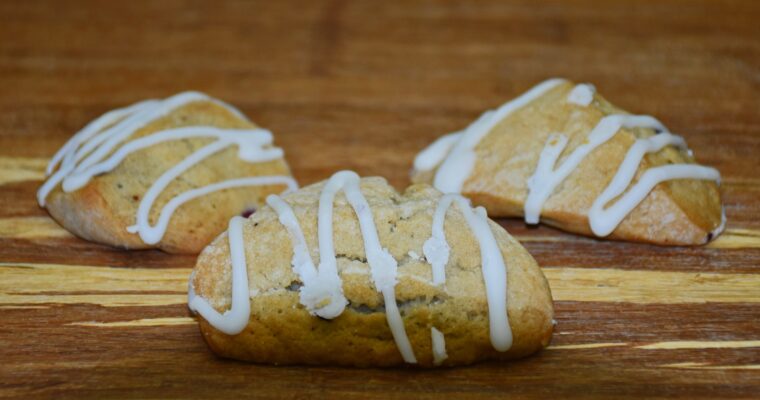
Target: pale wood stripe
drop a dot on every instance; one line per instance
(18, 169)
(32, 277)
(22, 307)
(696, 365)
(672, 345)
(584, 346)
(170, 321)
(53, 283)
(737, 239)
(105, 300)
(746, 182)
(110, 287)
(31, 228)
(645, 287)
(547, 239)
(733, 238)
(690, 344)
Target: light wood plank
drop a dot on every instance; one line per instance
(31, 228)
(138, 323)
(19, 169)
(695, 344)
(642, 287)
(706, 366)
(68, 284)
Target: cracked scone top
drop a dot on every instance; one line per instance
(163, 173)
(561, 153)
(338, 273)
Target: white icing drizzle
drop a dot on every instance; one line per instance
(322, 292)
(582, 94)
(432, 155)
(234, 320)
(439, 346)
(454, 156)
(67, 151)
(436, 249)
(457, 152)
(86, 155)
(153, 234)
(494, 271)
(604, 221)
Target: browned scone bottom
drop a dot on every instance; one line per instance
(676, 212)
(103, 209)
(281, 330)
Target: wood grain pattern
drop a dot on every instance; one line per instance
(364, 85)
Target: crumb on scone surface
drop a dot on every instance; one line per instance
(281, 331)
(676, 212)
(101, 210)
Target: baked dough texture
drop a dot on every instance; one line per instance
(281, 331)
(675, 212)
(103, 209)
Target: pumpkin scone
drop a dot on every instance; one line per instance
(562, 154)
(164, 174)
(350, 272)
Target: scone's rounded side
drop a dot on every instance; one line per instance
(103, 209)
(281, 331)
(676, 212)
(86, 214)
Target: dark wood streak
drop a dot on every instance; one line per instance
(365, 85)
(80, 350)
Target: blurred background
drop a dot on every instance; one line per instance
(338, 80)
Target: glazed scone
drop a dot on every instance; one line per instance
(164, 174)
(562, 153)
(375, 299)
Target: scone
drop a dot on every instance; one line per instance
(563, 154)
(164, 174)
(350, 272)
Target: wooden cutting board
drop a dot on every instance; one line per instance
(364, 86)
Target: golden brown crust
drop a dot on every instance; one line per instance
(102, 210)
(281, 331)
(678, 212)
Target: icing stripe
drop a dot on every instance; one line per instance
(436, 249)
(434, 154)
(234, 320)
(492, 264)
(66, 152)
(323, 285)
(545, 179)
(439, 346)
(382, 265)
(603, 221)
(91, 152)
(99, 144)
(456, 156)
(582, 94)
(457, 166)
(322, 292)
(153, 234)
(250, 142)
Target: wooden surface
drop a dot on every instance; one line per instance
(365, 85)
